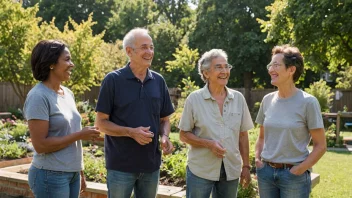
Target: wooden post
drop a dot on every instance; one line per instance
(338, 124)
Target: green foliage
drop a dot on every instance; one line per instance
(254, 111)
(189, 87)
(330, 135)
(345, 79)
(87, 113)
(17, 26)
(16, 113)
(20, 132)
(11, 151)
(175, 165)
(232, 26)
(77, 10)
(128, 15)
(323, 93)
(94, 168)
(320, 29)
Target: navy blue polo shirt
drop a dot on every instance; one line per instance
(132, 103)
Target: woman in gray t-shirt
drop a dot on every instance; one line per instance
(54, 125)
(289, 119)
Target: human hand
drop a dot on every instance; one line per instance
(166, 145)
(259, 163)
(295, 170)
(89, 133)
(217, 149)
(245, 178)
(142, 135)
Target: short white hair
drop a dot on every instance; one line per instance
(129, 39)
(205, 61)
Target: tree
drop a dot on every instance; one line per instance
(17, 27)
(128, 15)
(232, 26)
(78, 10)
(320, 29)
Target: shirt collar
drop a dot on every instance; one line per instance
(206, 93)
(129, 74)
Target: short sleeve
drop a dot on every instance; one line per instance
(106, 96)
(187, 121)
(314, 117)
(260, 116)
(247, 122)
(36, 107)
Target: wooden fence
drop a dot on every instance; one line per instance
(8, 98)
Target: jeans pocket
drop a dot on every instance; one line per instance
(32, 177)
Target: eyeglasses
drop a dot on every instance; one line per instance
(144, 48)
(219, 68)
(275, 66)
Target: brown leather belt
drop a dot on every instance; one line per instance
(279, 165)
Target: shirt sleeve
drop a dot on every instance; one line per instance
(36, 107)
(187, 121)
(314, 117)
(106, 96)
(247, 122)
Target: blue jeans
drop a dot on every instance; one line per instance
(202, 188)
(53, 184)
(121, 184)
(281, 183)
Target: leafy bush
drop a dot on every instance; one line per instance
(87, 113)
(254, 110)
(16, 113)
(11, 151)
(20, 132)
(330, 135)
(323, 93)
(94, 168)
(175, 165)
(251, 191)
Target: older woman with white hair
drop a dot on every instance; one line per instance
(214, 123)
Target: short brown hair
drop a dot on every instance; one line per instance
(45, 54)
(292, 57)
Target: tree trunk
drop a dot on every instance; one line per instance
(248, 83)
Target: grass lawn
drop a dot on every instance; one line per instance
(335, 169)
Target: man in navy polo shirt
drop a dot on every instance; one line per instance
(133, 110)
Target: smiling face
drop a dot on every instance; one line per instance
(142, 52)
(62, 69)
(278, 72)
(217, 74)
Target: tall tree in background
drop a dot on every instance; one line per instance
(322, 30)
(128, 15)
(78, 10)
(231, 25)
(17, 28)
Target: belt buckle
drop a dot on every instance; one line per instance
(272, 165)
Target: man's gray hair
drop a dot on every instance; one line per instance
(128, 40)
(205, 61)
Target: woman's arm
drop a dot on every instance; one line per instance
(193, 140)
(259, 147)
(43, 144)
(319, 148)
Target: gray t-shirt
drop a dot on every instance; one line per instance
(43, 103)
(286, 126)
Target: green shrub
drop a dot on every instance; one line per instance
(323, 93)
(94, 168)
(11, 151)
(330, 135)
(16, 113)
(254, 110)
(20, 132)
(87, 113)
(175, 165)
